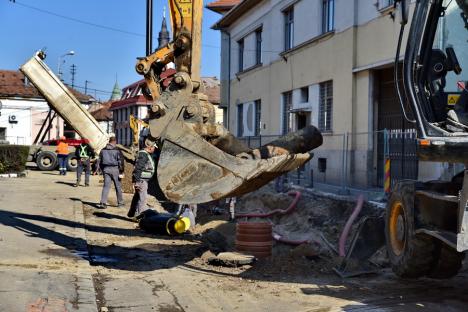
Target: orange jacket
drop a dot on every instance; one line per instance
(62, 148)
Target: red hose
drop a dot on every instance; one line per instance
(349, 223)
(291, 207)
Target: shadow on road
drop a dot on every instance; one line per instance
(142, 257)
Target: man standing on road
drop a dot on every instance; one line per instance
(112, 166)
(62, 155)
(142, 173)
(83, 154)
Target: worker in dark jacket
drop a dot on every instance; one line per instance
(144, 170)
(84, 153)
(111, 162)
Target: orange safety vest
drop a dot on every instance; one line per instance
(62, 148)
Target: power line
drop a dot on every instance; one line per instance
(79, 21)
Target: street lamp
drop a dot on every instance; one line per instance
(61, 61)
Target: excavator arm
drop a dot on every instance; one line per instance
(200, 160)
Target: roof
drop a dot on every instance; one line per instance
(212, 89)
(131, 95)
(14, 84)
(235, 13)
(103, 113)
(222, 6)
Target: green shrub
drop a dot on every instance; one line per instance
(13, 158)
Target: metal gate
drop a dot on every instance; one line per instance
(396, 136)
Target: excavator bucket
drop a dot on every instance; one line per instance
(192, 170)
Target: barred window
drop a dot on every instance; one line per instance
(326, 106)
(287, 105)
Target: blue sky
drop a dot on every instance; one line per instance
(100, 54)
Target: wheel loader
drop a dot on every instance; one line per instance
(200, 161)
(427, 222)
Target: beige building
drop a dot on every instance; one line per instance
(328, 63)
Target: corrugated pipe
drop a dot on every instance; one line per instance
(291, 207)
(347, 227)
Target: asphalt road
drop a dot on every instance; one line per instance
(59, 253)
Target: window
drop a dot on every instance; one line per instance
(258, 46)
(326, 106)
(241, 54)
(328, 15)
(305, 95)
(383, 4)
(258, 116)
(240, 120)
(287, 105)
(288, 28)
(3, 133)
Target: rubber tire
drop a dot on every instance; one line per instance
(447, 262)
(416, 257)
(70, 158)
(44, 155)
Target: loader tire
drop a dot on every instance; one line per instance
(410, 255)
(46, 161)
(72, 162)
(447, 262)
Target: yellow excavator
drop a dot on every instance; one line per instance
(200, 161)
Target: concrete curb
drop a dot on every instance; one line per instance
(84, 281)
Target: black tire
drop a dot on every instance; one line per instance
(46, 161)
(72, 162)
(447, 262)
(410, 255)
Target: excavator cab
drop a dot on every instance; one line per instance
(427, 222)
(200, 160)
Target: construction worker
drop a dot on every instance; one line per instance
(62, 155)
(112, 167)
(83, 154)
(142, 173)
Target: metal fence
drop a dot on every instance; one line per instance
(15, 140)
(354, 162)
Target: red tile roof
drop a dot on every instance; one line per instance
(212, 89)
(12, 84)
(222, 6)
(103, 113)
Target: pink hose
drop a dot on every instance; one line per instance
(291, 207)
(349, 223)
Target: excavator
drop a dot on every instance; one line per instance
(200, 161)
(427, 222)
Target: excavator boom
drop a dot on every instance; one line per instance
(200, 160)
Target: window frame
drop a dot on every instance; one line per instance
(288, 36)
(325, 120)
(287, 106)
(258, 46)
(240, 120)
(328, 16)
(240, 59)
(258, 117)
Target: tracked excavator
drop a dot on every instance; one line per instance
(427, 223)
(200, 161)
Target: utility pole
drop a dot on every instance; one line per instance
(73, 73)
(86, 86)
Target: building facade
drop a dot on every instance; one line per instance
(286, 64)
(23, 111)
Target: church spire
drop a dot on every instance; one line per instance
(163, 38)
(116, 92)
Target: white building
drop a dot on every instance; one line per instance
(286, 64)
(23, 111)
